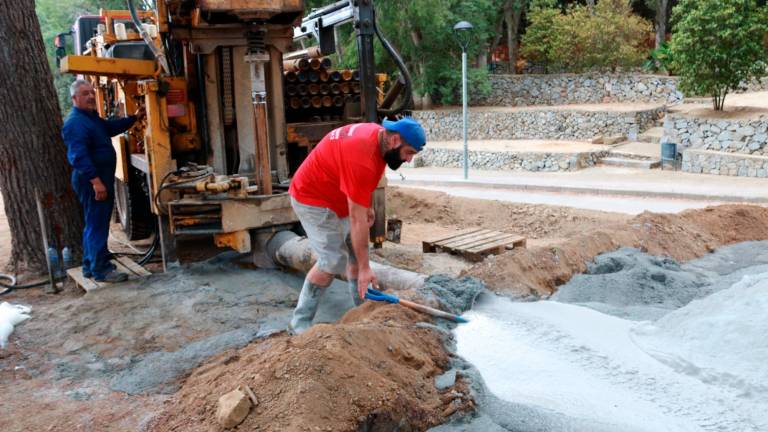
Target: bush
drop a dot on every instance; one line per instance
(717, 45)
(579, 40)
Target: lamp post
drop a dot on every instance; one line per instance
(461, 32)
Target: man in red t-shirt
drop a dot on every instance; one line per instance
(331, 194)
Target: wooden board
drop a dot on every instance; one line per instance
(123, 264)
(474, 244)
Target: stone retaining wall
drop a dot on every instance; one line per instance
(564, 89)
(485, 124)
(721, 163)
(507, 161)
(722, 135)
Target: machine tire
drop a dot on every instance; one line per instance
(133, 208)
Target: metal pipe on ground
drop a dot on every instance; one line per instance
(293, 251)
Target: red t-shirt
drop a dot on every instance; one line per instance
(346, 163)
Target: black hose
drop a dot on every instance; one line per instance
(8, 288)
(408, 94)
(151, 251)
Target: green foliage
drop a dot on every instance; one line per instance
(422, 32)
(660, 60)
(717, 45)
(579, 39)
(57, 16)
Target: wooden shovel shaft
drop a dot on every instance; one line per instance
(431, 311)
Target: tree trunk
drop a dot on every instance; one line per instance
(32, 154)
(512, 16)
(497, 35)
(662, 13)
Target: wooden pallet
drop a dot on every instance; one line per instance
(475, 244)
(123, 264)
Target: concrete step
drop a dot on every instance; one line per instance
(652, 135)
(631, 163)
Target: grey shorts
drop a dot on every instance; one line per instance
(328, 236)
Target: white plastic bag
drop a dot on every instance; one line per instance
(10, 315)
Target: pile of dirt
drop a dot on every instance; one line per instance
(429, 212)
(374, 370)
(683, 236)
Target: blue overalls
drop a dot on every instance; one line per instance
(90, 152)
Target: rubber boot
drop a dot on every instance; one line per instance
(352, 286)
(306, 308)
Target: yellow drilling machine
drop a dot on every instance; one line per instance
(233, 106)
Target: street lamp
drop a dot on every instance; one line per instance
(461, 31)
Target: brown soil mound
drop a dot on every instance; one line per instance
(684, 236)
(418, 207)
(373, 371)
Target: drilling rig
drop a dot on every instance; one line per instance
(233, 106)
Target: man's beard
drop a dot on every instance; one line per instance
(392, 158)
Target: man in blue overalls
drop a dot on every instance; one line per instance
(90, 152)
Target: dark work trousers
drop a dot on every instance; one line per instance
(97, 218)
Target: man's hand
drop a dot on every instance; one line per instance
(99, 189)
(371, 217)
(140, 113)
(364, 278)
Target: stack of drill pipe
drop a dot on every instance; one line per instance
(314, 91)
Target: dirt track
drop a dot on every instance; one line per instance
(376, 368)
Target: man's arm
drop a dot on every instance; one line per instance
(358, 232)
(118, 126)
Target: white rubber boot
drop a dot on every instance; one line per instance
(306, 308)
(352, 286)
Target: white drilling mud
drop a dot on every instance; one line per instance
(639, 344)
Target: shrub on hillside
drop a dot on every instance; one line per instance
(717, 45)
(608, 38)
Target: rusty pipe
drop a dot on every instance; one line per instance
(325, 89)
(314, 88)
(315, 64)
(325, 63)
(295, 102)
(346, 74)
(296, 65)
(344, 87)
(311, 52)
(291, 76)
(324, 75)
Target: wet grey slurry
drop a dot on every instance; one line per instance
(625, 283)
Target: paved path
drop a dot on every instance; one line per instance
(624, 190)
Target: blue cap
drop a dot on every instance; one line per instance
(409, 129)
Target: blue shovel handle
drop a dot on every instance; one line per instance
(376, 295)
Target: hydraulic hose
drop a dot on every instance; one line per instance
(158, 53)
(407, 95)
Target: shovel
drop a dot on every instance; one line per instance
(376, 295)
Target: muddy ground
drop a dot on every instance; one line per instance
(156, 355)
